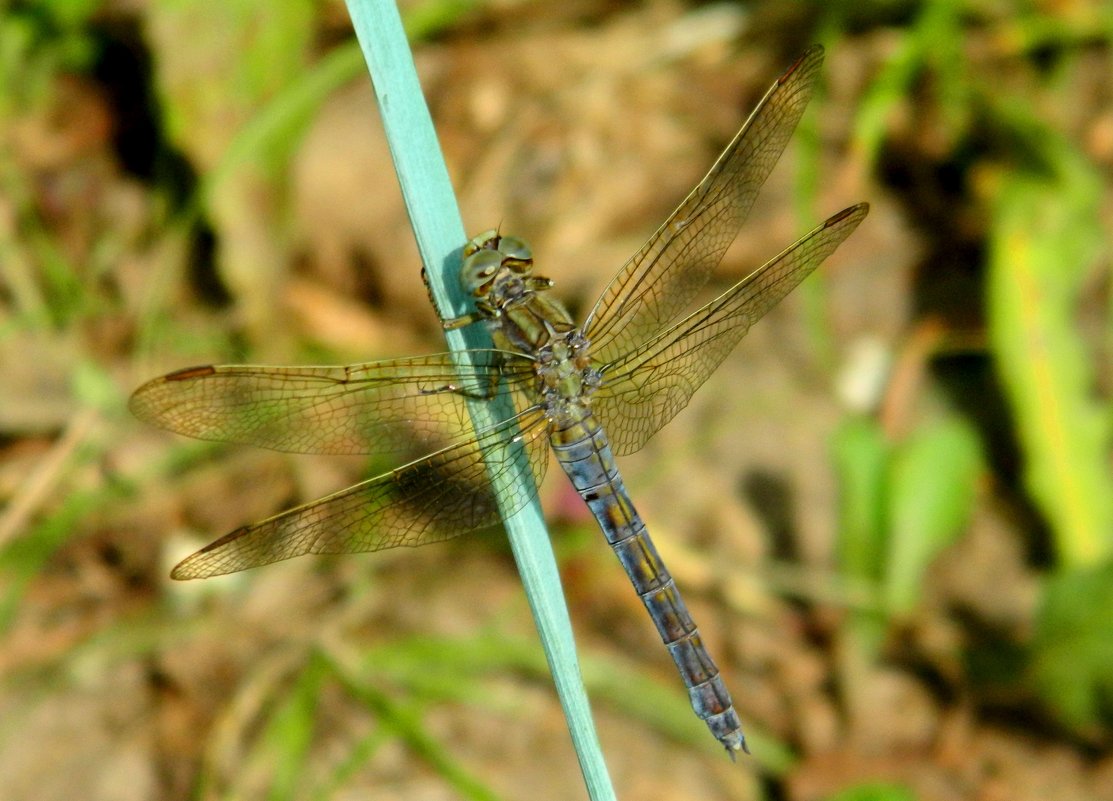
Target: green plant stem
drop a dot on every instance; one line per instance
(439, 232)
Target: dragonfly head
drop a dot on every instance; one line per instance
(491, 262)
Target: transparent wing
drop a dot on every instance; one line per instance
(413, 405)
(659, 281)
(645, 388)
(434, 498)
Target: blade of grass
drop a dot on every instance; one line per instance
(440, 236)
(438, 668)
(288, 734)
(932, 481)
(403, 722)
(1043, 241)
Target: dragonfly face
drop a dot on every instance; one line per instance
(584, 393)
(498, 273)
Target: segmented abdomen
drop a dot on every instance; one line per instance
(582, 449)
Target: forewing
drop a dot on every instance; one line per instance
(410, 405)
(644, 389)
(435, 498)
(659, 281)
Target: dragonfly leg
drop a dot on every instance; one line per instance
(486, 390)
(454, 323)
(456, 389)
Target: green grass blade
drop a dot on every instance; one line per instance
(1072, 665)
(288, 734)
(1041, 244)
(861, 457)
(402, 720)
(440, 236)
(932, 488)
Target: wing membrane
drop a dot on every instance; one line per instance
(644, 389)
(429, 500)
(398, 405)
(659, 281)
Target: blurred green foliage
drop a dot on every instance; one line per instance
(900, 505)
(1045, 235)
(37, 44)
(1040, 198)
(874, 792)
(1072, 663)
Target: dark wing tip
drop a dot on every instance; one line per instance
(813, 56)
(187, 373)
(859, 210)
(140, 403)
(196, 566)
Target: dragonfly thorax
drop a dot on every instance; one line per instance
(523, 318)
(567, 376)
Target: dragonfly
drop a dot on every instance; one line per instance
(585, 393)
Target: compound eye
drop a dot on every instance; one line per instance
(488, 240)
(479, 268)
(513, 248)
(516, 255)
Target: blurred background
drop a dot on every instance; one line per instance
(890, 511)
